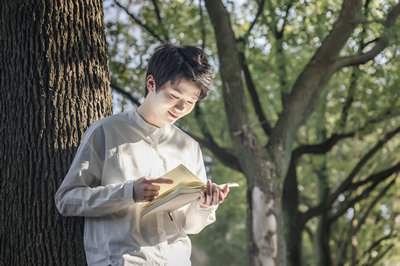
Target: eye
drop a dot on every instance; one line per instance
(189, 102)
(174, 96)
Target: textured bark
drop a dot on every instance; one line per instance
(53, 83)
(265, 229)
(265, 168)
(263, 179)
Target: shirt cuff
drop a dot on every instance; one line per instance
(209, 209)
(128, 192)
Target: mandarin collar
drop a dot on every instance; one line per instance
(149, 129)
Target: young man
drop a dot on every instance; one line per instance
(118, 164)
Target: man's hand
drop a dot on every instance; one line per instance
(145, 188)
(213, 195)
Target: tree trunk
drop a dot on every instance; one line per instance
(293, 224)
(323, 233)
(262, 174)
(54, 82)
(263, 217)
(323, 236)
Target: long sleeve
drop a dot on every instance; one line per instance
(116, 151)
(196, 217)
(81, 192)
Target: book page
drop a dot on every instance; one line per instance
(180, 175)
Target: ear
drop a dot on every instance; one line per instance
(150, 83)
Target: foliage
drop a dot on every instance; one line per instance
(361, 101)
(224, 239)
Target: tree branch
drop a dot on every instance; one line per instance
(141, 24)
(323, 206)
(374, 245)
(362, 45)
(255, 99)
(324, 147)
(373, 203)
(126, 94)
(157, 11)
(360, 221)
(158, 14)
(381, 44)
(375, 177)
(349, 98)
(243, 137)
(345, 206)
(202, 27)
(258, 14)
(198, 114)
(381, 255)
(223, 155)
(304, 95)
(280, 32)
(363, 161)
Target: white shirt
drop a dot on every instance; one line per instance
(99, 185)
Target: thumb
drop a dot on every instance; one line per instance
(225, 190)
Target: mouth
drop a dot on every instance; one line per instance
(174, 116)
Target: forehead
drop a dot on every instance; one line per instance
(186, 88)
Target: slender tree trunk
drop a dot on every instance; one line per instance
(323, 233)
(293, 224)
(53, 84)
(322, 241)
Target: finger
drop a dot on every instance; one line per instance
(221, 196)
(215, 195)
(161, 180)
(209, 199)
(209, 187)
(148, 198)
(148, 179)
(152, 188)
(150, 193)
(202, 198)
(225, 189)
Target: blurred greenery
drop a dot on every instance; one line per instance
(363, 100)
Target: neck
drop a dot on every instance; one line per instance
(145, 112)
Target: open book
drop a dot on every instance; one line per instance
(185, 189)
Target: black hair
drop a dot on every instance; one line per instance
(172, 63)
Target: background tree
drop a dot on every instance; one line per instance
(305, 100)
(54, 82)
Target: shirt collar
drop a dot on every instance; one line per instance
(148, 128)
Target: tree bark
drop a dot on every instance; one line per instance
(264, 191)
(293, 224)
(54, 82)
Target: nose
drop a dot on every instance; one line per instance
(180, 106)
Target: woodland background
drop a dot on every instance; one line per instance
(343, 138)
(304, 113)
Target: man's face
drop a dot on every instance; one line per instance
(170, 102)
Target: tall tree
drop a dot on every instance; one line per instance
(288, 90)
(54, 82)
(272, 227)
